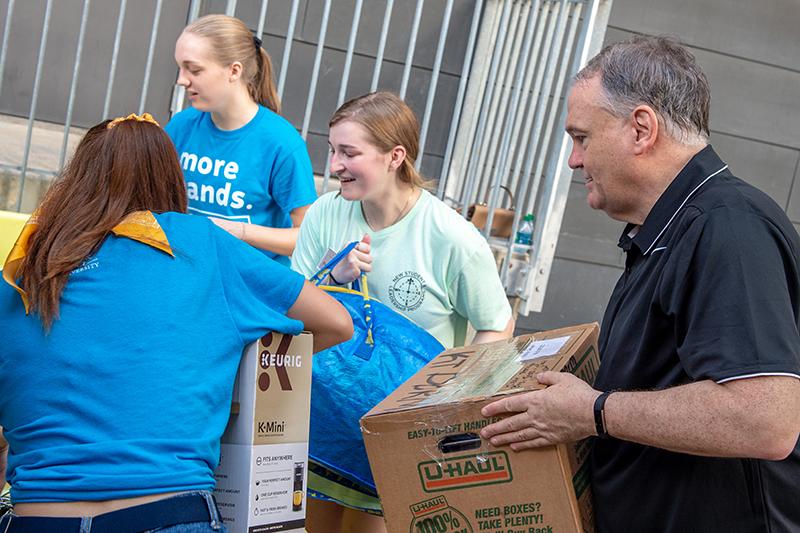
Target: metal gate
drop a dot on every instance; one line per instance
(486, 77)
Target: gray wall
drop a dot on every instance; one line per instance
(26, 31)
(750, 52)
(62, 40)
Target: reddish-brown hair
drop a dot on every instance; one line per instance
(114, 172)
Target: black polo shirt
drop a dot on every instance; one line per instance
(711, 290)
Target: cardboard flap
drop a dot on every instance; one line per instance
(483, 370)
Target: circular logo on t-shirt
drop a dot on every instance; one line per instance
(407, 291)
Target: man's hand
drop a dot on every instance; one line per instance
(563, 412)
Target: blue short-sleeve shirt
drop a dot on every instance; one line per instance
(256, 174)
(130, 391)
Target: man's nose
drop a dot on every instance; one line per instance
(575, 160)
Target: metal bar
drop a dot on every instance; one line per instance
(547, 231)
(376, 72)
(262, 17)
(194, 10)
(539, 144)
(502, 167)
(535, 64)
(6, 33)
(230, 8)
(412, 44)
(462, 88)
(458, 168)
(477, 140)
(497, 111)
(149, 66)
(34, 98)
(312, 89)
(548, 129)
(179, 91)
(563, 74)
(537, 106)
(498, 82)
(18, 168)
(348, 61)
(74, 85)
(437, 66)
(287, 48)
(114, 55)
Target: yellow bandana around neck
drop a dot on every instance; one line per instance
(140, 226)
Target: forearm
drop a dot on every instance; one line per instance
(487, 335)
(3, 459)
(277, 240)
(706, 418)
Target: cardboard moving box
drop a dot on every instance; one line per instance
(261, 477)
(435, 474)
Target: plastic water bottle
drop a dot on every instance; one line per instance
(525, 231)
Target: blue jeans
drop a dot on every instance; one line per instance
(212, 524)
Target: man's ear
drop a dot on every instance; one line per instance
(398, 155)
(646, 127)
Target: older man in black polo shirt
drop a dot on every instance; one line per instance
(697, 402)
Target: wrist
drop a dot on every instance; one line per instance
(600, 426)
(334, 280)
(243, 227)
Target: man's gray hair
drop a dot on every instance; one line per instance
(658, 72)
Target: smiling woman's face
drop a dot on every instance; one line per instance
(363, 171)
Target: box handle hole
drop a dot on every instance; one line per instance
(460, 442)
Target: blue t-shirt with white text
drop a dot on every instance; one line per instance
(256, 174)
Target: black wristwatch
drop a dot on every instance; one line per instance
(599, 415)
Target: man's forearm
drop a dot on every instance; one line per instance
(757, 417)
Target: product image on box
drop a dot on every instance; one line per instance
(297, 494)
(435, 474)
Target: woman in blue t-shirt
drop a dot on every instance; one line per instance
(123, 321)
(245, 166)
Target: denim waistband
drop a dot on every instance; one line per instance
(183, 508)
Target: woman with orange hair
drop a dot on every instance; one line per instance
(122, 322)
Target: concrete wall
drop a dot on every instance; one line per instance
(750, 52)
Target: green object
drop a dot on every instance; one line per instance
(525, 231)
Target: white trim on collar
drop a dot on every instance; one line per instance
(679, 208)
(757, 375)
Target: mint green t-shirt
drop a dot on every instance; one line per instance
(432, 266)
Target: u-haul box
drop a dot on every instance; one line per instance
(435, 474)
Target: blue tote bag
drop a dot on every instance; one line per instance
(351, 378)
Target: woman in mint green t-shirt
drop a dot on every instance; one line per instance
(422, 258)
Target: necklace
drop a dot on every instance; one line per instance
(397, 218)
